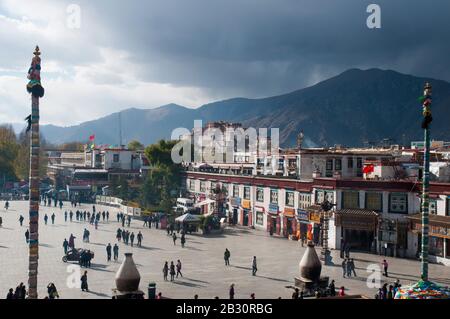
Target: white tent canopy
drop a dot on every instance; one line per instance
(187, 218)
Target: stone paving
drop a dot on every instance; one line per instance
(203, 266)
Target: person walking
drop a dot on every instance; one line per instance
(332, 289)
(71, 215)
(179, 268)
(183, 240)
(132, 238)
(172, 271)
(21, 218)
(72, 241)
(45, 219)
(51, 291)
(145, 221)
(231, 291)
(108, 251)
(139, 239)
(53, 218)
(349, 268)
(165, 270)
(27, 236)
(10, 294)
(226, 257)
(116, 252)
(385, 267)
(84, 282)
(107, 216)
(65, 216)
(65, 246)
(352, 267)
(344, 267)
(174, 237)
(119, 234)
(254, 266)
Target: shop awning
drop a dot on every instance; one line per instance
(438, 220)
(359, 219)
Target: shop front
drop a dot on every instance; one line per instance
(273, 220)
(358, 228)
(235, 203)
(246, 213)
(302, 223)
(315, 226)
(289, 223)
(439, 237)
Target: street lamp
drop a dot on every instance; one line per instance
(325, 253)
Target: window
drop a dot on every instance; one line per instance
(115, 158)
(350, 162)
(398, 203)
(350, 199)
(374, 201)
(359, 172)
(338, 164)
(447, 210)
(321, 195)
(433, 207)
(274, 196)
(289, 199)
(235, 190)
(192, 185)
(225, 188)
(329, 165)
(246, 192)
(213, 186)
(260, 194)
(202, 186)
(304, 200)
(259, 218)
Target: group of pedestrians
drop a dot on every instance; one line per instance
(151, 220)
(171, 270)
(19, 293)
(128, 237)
(45, 219)
(121, 218)
(386, 292)
(114, 250)
(348, 268)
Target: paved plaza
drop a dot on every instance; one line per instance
(203, 266)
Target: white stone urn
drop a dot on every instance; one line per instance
(128, 277)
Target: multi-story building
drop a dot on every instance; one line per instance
(93, 169)
(376, 193)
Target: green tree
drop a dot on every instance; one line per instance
(135, 145)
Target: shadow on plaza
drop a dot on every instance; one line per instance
(3, 247)
(148, 248)
(187, 284)
(46, 245)
(272, 278)
(99, 294)
(197, 280)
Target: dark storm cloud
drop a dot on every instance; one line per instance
(258, 48)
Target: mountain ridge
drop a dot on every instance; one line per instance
(349, 108)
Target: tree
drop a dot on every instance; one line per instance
(8, 152)
(164, 179)
(135, 145)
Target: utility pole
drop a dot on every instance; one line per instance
(37, 91)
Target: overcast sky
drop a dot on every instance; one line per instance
(150, 53)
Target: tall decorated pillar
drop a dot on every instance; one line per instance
(425, 289)
(36, 90)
